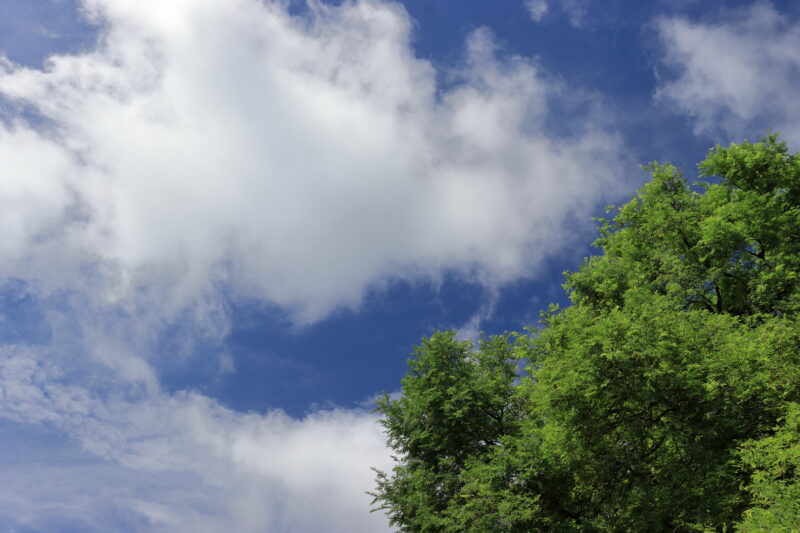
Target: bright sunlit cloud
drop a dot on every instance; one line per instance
(299, 161)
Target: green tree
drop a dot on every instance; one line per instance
(774, 464)
(663, 399)
(456, 405)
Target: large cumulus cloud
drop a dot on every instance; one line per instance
(298, 160)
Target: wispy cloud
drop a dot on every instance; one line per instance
(471, 329)
(736, 76)
(575, 11)
(537, 9)
(178, 462)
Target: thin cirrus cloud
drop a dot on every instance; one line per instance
(212, 151)
(737, 75)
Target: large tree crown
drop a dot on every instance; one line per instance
(665, 398)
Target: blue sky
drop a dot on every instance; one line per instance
(226, 224)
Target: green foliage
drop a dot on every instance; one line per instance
(457, 404)
(775, 483)
(665, 398)
(734, 248)
(652, 400)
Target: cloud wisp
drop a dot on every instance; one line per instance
(537, 9)
(575, 11)
(735, 76)
(181, 462)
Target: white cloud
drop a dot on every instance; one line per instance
(736, 76)
(180, 462)
(296, 161)
(537, 8)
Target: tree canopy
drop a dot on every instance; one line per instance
(666, 397)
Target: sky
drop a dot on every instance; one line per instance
(226, 224)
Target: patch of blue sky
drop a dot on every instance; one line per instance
(23, 319)
(33, 30)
